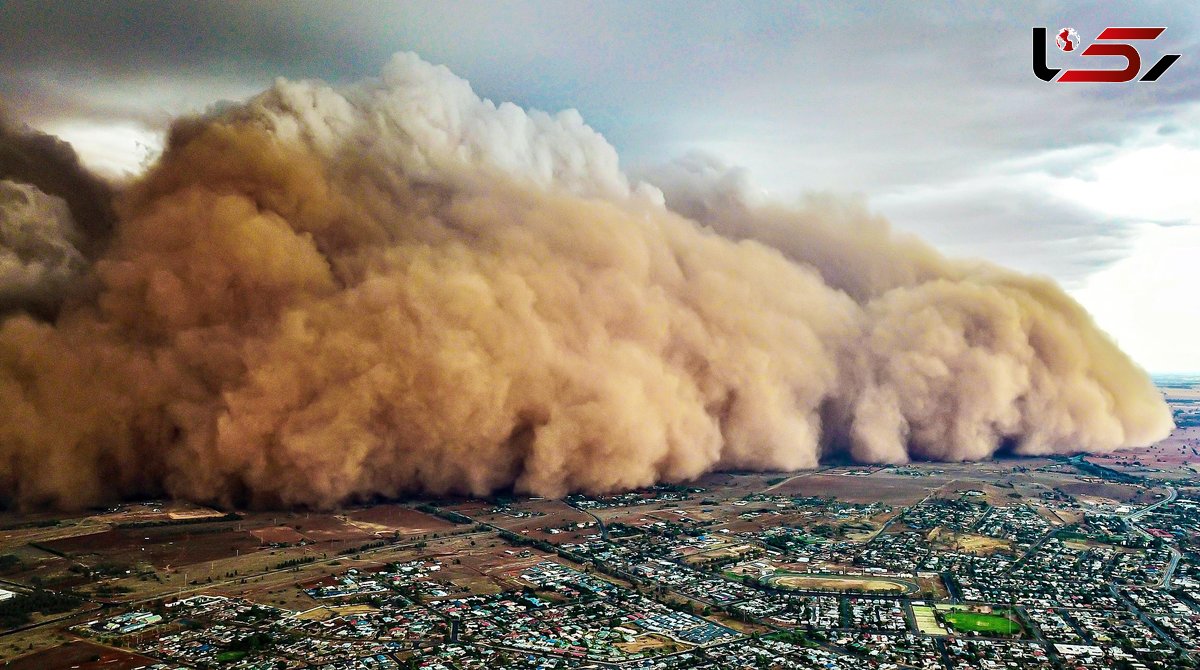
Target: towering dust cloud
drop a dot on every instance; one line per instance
(326, 295)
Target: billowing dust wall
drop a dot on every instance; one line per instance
(325, 295)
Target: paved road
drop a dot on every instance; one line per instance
(1172, 493)
(1132, 519)
(1031, 627)
(1132, 606)
(1165, 584)
(1032, 550)
(899, 515)
(603, 528)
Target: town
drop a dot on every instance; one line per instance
(1073, 563)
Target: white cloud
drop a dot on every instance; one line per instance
(1156, 183)
(116, 150)
(1148, 300)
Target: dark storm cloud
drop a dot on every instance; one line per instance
(54, 215)
(51, 166)
(835, 75)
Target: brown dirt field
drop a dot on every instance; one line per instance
(1060, 517)
(881, 487)
(95, 543)
(193, 514)
(482, 585)
(165, 511)
(638, 517)
(78, 655)
(470, 573)
(732, 486)
(471, 508)
(278, 535)
(866, 584)
(1179, 450)
(979, 544)
(18, 537)
(862, 535)
(398, 518)
(749, 526)
(992, 493)
(342, 610)
(47, 568)
(723, 552)
(495, 562)
(700, 513)
(1109, 490)
(327, 528)
(251, 566)
(316, 614)
(554, 514)
(645, 642)
(279, 592)
(933, 585)
(1081, 545)
(11, 520)
(167, 546)
(739, 626)
(583, 535)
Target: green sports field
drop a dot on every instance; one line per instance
(982, 623)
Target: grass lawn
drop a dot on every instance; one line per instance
(982, 623)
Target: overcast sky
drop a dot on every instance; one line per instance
(931, 112)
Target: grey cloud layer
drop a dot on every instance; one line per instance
(911, 99)
(38, 255)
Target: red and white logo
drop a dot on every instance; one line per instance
(1113, 41)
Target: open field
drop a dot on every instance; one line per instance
(149, 512)
(977, 622)
(278, 535)
(974, 544)
(18, 537)
(1104, 489)
(392, 518)
(80, 655)
(878, 487)
(842, 583)
(646, 643)
(1084, 545)
(728, 552)
(1176, 453)
(160, 546)
(330, 528)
